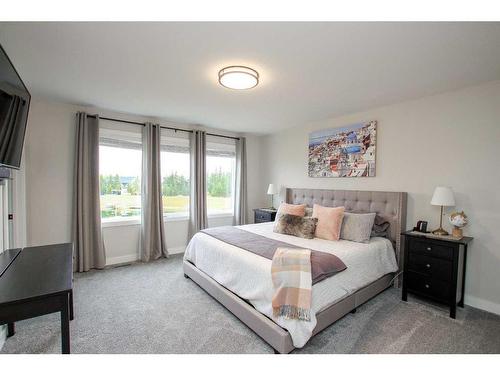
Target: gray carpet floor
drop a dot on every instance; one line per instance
(152, 308)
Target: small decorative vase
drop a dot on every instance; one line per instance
(458, 220)
(457, 232)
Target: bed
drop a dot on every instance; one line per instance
(241, 281)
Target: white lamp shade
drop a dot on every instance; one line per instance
(271, 190)
(443, 196)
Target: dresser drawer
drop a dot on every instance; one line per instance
(429, 266)
(428, 286)
(429, 248)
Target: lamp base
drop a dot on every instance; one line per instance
(440, 232)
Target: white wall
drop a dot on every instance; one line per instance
(449, 139)
(50, 141)
(49, 152)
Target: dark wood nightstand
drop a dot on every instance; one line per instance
(264, 215)
(435, 268)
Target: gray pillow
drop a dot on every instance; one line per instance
(297, 226)
(309, 212)
(380, 227)
(357, 227)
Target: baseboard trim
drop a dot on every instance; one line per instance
(134, 257)
(3, 335)
(482, 304)
(121, 259)
(176, 250)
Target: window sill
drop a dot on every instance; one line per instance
(121, 222)
(167, 219)
(221, 215)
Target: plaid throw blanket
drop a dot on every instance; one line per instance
(291, 273)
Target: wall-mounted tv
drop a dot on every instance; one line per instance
(14, 105)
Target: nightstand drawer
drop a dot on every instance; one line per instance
(431, 248)
(428, 286)
(429, 266)
(262, 217)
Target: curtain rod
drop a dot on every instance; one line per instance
(163, 127)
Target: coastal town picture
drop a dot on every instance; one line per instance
(347, 151)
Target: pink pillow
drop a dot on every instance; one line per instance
(329, 221)
(292, 209)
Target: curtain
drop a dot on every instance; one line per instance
(153, 238)
(240, 196)
(87, 235)
(198, 204)
(11, 112)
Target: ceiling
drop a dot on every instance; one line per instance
(309, 71)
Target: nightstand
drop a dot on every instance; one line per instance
(264, 215)
(434, 268)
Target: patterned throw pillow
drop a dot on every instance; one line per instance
(297, 226)
(357, 227)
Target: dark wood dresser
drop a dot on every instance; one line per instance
(38, 281)
(264, 215)
(434, 268)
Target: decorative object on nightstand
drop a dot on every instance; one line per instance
(434, 267)
(272, 190)
(264, 215)
(458, 220)
(443, 196)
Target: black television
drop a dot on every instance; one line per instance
(14, 106)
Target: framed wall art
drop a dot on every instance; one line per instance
(348, 151)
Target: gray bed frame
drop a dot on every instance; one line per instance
(390, 205)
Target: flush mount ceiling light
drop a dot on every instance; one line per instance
(238, 77)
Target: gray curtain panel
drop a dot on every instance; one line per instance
(153, 238)
(87, 235)
(198, 202)
(240, 196)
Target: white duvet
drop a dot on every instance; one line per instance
(249, 275)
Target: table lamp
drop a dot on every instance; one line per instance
(443, 196)
(271, 190)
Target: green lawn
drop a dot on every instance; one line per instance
(129, 205)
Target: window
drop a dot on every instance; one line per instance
(120, 166)
(220, 169)
(175, 173)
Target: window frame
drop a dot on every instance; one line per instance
(225, 144)
(133, 133)
(168, 137)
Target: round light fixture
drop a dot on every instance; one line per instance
(238, 77)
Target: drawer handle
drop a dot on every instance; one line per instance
(427, 286)
(429, 248)
(428, 265)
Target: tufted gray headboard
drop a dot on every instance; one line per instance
(388, 204)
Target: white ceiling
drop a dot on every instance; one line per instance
(309, 71)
